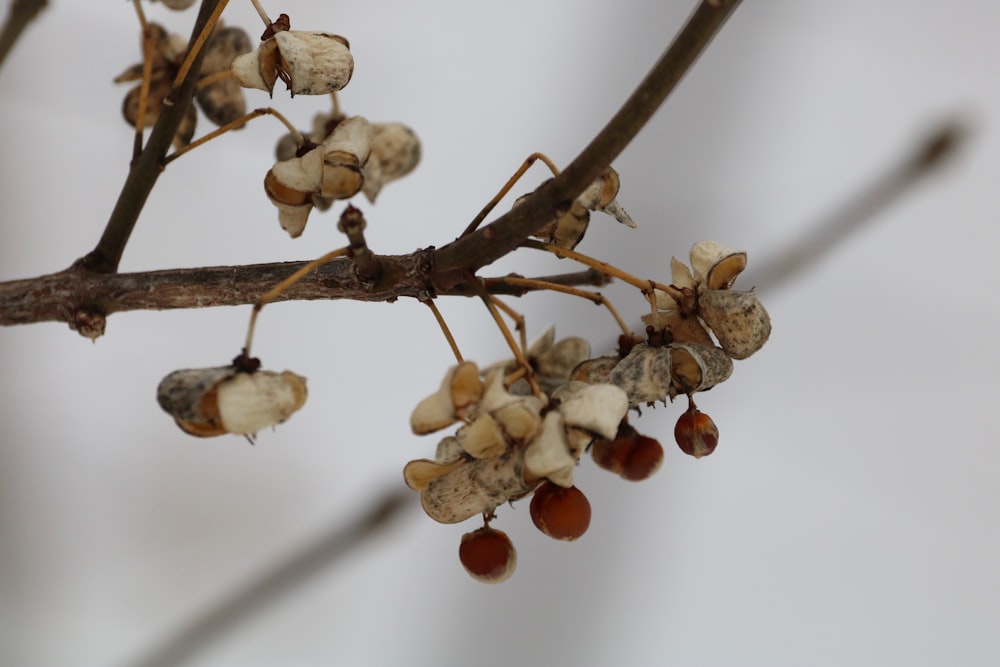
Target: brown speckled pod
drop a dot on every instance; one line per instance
(738, 320)
(695, 367)
(644, 374)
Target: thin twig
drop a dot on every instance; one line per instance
(276, 582)
(594, 297)
(445, 330)
(491, 204)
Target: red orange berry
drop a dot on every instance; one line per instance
(488, 555)
(696, 433)
(559, 512)
(630, 455)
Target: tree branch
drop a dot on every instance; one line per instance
(85, 293)
(22, 12)
(147, 168)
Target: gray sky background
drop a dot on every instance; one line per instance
(849, 516)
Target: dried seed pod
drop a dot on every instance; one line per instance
(554, 362)
(598, 408)
(223, 101)
(395, 152)
(561, 513)
(421, 472)
(488, 555)
(600, 196)
(459, 391)
(696, 433)
(310, 63)
(495, 396)
(344, 153)
(644, 374)
(302, 174)
(212, 401)
(520, 420)
(178, 4)
(630, 455)
(565, 231)
(482, 438)
(474, 486)
(596, 370)
(448, 450)
(294, 206)
(548, 454)
(738, 320)
(695, 367)
(716, 266)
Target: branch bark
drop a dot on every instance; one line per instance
(89, 290)
(22, 13)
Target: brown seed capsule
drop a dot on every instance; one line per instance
(488, 555)
(696, 433)
(559, 512)
(696, 367)
(630, 455)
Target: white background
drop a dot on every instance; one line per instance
(849, 516)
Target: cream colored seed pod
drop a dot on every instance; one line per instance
(738, 320)
(548, 454)
(598, 408)
(695, 367)
(310, 63)
(419, 473)
(482, 438)
(554, 362)
(644, 374)
(520, 420)
(294, 206)
(395, 152)
(716, 266)
(212, 401)
(345, 151)
(460, 390)
(600, 196)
